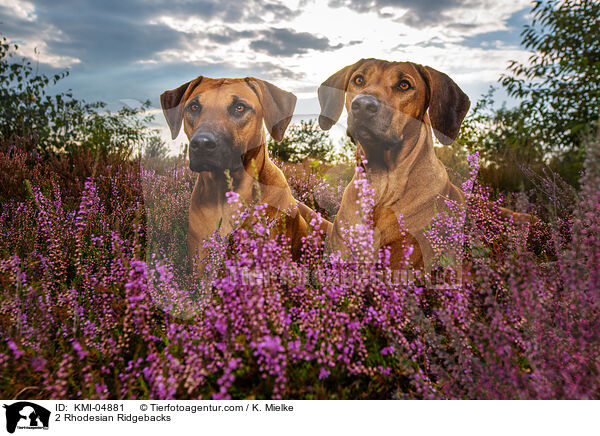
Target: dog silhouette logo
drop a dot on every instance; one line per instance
(26, 415)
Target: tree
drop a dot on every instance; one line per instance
(559, 93)
(61, 123)
(560, 84)
(304, 140)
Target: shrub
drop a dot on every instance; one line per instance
(303, 141)
(94, 302)
(318, 185)
(60, 123)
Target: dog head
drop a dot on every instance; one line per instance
(223, 118)
(388, 101)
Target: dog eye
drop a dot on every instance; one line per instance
(194, 107)
(359, 80)
(403, 85)
(239, 108)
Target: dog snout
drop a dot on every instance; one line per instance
(365, 105)
(203, 142)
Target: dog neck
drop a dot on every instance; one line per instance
(411, 176)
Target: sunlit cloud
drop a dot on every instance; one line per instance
(21, 9)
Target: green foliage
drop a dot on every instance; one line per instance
(61, 123)
(454, 158)
(302, 141)
(561, 81)
(560, 84)
(156, 147)
(559, 93)
(506, 140)
(345, 153)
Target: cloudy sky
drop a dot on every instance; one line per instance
(121, 51)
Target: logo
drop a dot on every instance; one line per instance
(26, 415)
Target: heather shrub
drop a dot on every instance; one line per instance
(527, 328)
(318, 185)
(96, 300)
(167, 221)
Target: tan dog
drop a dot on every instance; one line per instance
(392, 108)
(223, 121)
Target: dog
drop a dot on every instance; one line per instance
(392, 109)
(223, 120)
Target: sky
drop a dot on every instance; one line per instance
(126, 51)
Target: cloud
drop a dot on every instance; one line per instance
(98, 33)
(18, 8)
(280, 11)
(425, 12)
(143, 10)
(228, 35)
(272, 41)
(470, 16)
(287, 42)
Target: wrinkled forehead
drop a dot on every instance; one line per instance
(223, 90)
(384, 71)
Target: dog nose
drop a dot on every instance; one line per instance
(203, 142)
(365, 105)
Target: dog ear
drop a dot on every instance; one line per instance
(332, 93)
(448, 105)
(172, 104)
(278, 106)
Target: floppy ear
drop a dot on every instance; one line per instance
(448, 105)
(332, 93)
(171, 103)
(278, 106)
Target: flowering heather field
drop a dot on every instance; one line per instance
(96, 300)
